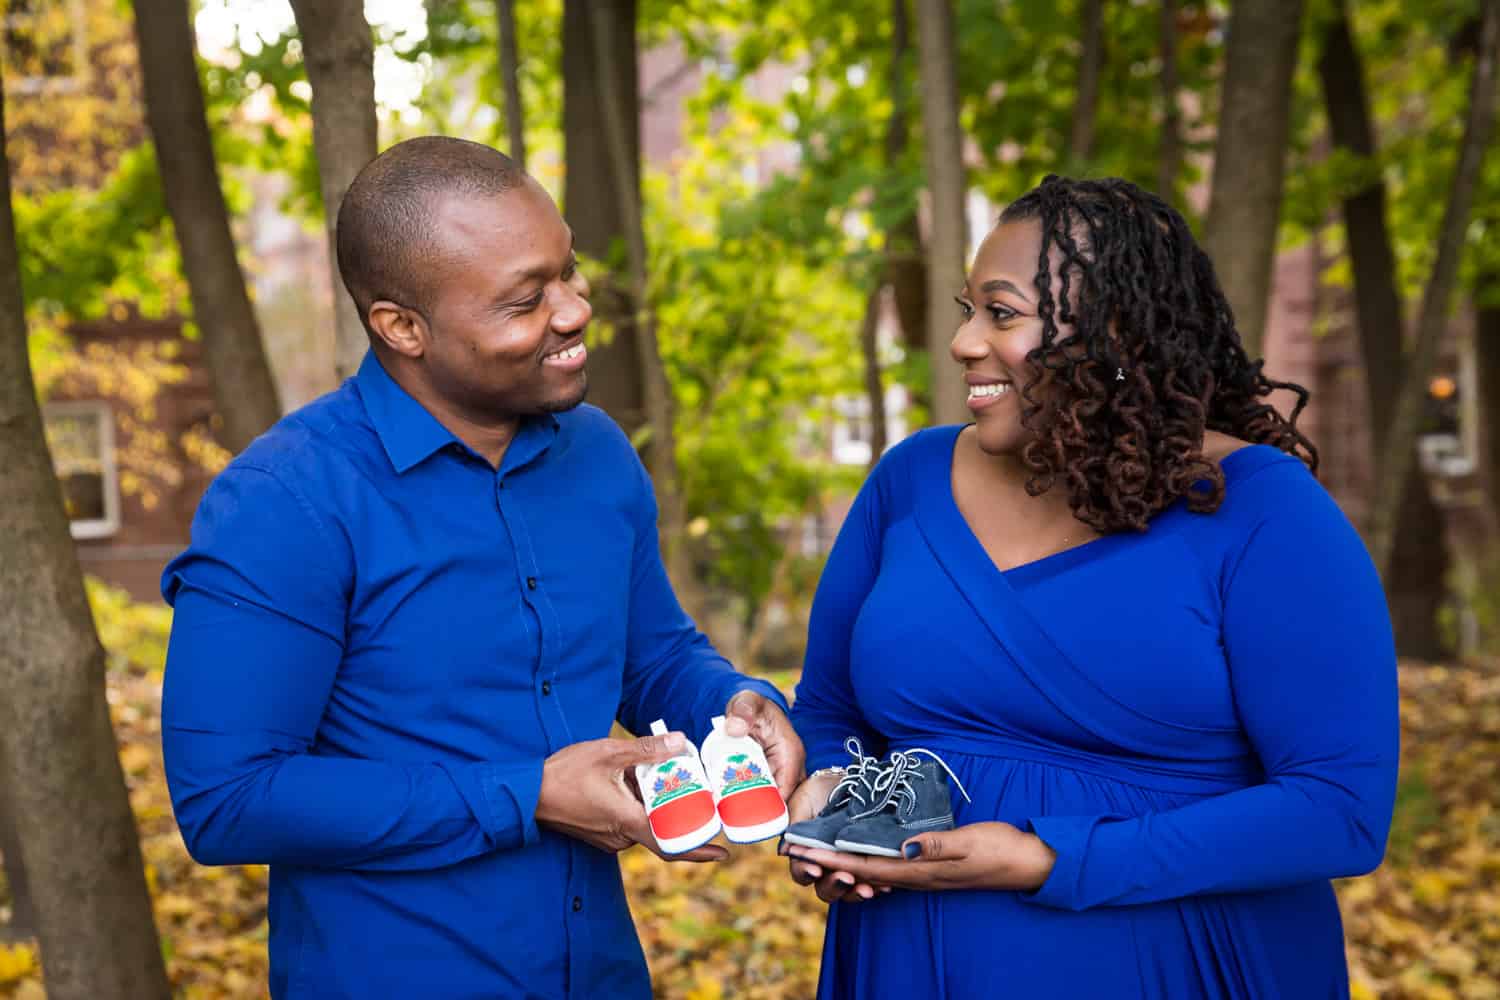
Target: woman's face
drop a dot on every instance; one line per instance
(1000, 327)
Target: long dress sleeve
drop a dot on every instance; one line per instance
(1312, 663)
(825, 711)
(257, 640)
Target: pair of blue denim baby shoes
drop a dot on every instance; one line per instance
(879, 804)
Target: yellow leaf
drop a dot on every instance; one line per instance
(17, 961)
(707, 987)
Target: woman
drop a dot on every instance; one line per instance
(1119, 607)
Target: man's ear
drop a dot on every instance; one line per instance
(402, 329)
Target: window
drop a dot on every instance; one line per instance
(45, 48)
(81, 437)
(852, 431)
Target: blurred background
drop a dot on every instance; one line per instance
(775, 201)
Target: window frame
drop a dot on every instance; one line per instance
(109, 466)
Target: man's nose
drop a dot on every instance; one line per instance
(572, 313)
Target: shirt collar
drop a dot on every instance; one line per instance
(410, 434)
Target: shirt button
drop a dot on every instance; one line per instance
(531, 583)
(546, 687)
(577, 903)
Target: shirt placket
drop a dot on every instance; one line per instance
(548, 696)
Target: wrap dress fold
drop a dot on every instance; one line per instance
(1201, 720)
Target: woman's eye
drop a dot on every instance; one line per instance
(964, 307)
(1000, 313)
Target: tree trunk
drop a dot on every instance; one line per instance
(1244, 203)
(869, 346)
(1487, 361)
(947, 249)
(609, 28)
(59, 771)
(905, 270)
(591, 201)
(1086, 103)
(1170, 162)
(1418, 583)
(902, 268)
(340, 58)
(22, 912)
(244, 391)
(510, 76)
(1437, 296)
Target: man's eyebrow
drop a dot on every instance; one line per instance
(1001, 285)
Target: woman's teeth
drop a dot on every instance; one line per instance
(988, 389)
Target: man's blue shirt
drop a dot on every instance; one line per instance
(378, 638)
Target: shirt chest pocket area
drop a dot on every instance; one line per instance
(581, 596)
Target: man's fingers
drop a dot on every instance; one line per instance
(742, 713)
(650, 749)
(700, 855)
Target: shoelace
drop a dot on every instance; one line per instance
(895, 783)
(856, 783)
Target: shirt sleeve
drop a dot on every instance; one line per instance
(672, 672)
(825, 712)
(260, 600)
(1313, 672)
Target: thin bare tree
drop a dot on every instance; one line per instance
(510, 78)
(1418, 584)
(1437, 297)
(1170, 157)
(947, 247)
(244, 391)
(1244, 202)
(1090, 70)
(608, 27)
(60, 777)
(339, 54)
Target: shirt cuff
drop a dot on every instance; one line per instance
(1068, 836)
(502, 799)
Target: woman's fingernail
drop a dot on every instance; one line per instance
(865, 892)
(885, 889)
(843, 879)
(814, 871)
(912, 850)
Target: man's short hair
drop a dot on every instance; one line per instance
(385, 235)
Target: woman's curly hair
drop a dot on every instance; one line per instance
(1119, 405)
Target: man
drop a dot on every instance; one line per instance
(412, 609)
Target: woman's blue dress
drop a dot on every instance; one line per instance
(1201, 720)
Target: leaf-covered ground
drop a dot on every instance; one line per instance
(1426, 926)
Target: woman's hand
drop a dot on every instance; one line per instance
(831, 884)
(977, 856)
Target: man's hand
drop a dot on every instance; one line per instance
(759, 716)
(977, 856)
(585, 794)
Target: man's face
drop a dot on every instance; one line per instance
(507, 306)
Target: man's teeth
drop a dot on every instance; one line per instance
(571, 352)
(988, 389)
